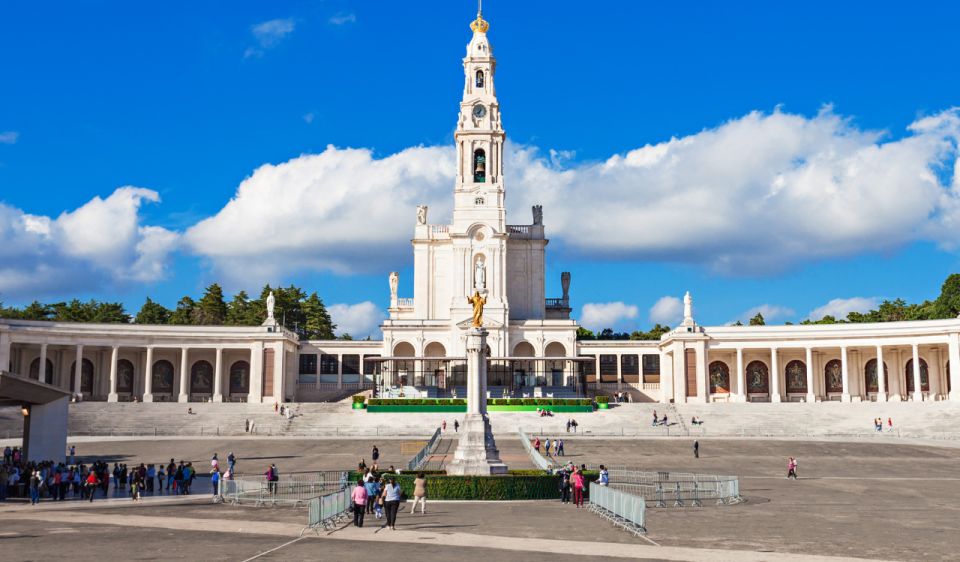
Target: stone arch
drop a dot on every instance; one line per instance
(162, 373)
(555, 349)
(434, 349)
(796, 377)
(758, 378)
(924, 376)
(201, 377)
(35, 369)
(833, 376)
(479, 79)
(124, 376)
(404, 349)
(870, 381)
(524, 349)
(404, 371)
(86, 376)
(479, 166)
(240, 378)
(719, 373)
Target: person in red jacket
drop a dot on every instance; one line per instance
(92, 483)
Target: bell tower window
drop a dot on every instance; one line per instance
(479, 166)
(479, 79)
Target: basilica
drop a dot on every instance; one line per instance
(533, 348)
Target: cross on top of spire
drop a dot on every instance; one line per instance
(479, 25)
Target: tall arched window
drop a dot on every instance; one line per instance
(240, 378)
(162, 373)
(124, 376)
(796, 375)
(201, 377)
(479, 81)
(479, 166)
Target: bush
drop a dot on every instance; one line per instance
(359, 399)
(603, 399)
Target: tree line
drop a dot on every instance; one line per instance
(294, 309)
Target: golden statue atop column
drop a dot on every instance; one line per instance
(477, 301)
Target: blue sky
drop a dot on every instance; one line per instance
(187, 100)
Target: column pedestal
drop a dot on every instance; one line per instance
(476, 453)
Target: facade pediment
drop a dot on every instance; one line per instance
(487, 323)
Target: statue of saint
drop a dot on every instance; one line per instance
(421, 214)
(271, 302)
(477, 301)
(480, 275)
(538, 214)
(394, 283)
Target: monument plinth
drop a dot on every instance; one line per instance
(476, 453)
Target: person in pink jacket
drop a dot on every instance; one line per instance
(359, 497)
(576, 480)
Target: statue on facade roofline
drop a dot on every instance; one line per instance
(421, 214)
(538, 214)
(271, 302)
(394, 284)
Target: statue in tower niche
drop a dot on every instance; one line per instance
(421, 214)
(538, 214)
(477, 301)
(565, 285)
(480, 276)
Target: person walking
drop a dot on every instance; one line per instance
(536, 443)
(560, 448)
(577, 480)
(791, 468)
(696, 449)
(359, 497)
(91, 483)
(391, 501)
(564, 486)
(443, 426)
(375, 454)
(546, 447)
(373, 492)
(889, 424)
(604, 479)
(419, 494)
(456, 426)
(215, 482)
(35, 480)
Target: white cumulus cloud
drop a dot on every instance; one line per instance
(343, 19)
(840, 308)
(268, 34)
(341, 210)
(96, 245)
(667, 310)
(359, 320)
(597, 316)
(9, 137)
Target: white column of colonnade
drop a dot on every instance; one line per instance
(217, 374)
(811, 396)
(881, 376)
(774, 376)
(917, 390)
(953, 353)
(77, 370)
(42, 371)
(844, 375)
(184, 377)
(114, 354)
(741, 377)
(148, 376)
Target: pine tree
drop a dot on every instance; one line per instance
(318, 325)
(211, 310)
(183, 315)
(242, 312)
(153, 313)
(758, 320)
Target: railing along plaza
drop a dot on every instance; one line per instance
(327, 510)
(676, 489)
(418, 461)
(620, 508)
(290, 490)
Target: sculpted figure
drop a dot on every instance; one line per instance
(421, 214)
(477, 301)
(538, 214)
(480, 275)
(394, 283)
(271, 302)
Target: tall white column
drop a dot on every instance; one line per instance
(148, 376)
(184, 377)
(42, 368)
(218, 376)
(881, 376)
(741, 377)
(114, 355)
(774, 376)
(5, 345)
(811, 397)
(954, 357)
(340, 371)
(917, 391)
(78, 370)
(845, 375)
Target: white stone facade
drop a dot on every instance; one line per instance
(527, 332)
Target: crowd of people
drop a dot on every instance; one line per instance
(556, 446)
(878, 424)
(573, 480)
(379, 494)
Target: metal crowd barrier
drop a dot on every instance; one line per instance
(619, 507)
(678, 489)
(539, 460)
(291, 490)
(417, 461)
(326, 511)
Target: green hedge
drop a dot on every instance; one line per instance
(490, 401)
(519, 486)
(359, 398)
(603, 399)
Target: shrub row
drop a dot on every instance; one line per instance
(603, 399)
(359, 399)
(416, 402)
(539, 401)
(463, 402)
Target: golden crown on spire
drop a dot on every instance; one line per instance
(479, 25)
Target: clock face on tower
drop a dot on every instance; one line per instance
(479, 111)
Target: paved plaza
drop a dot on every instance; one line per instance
(853, 500)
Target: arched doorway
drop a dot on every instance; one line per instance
(435, 370)
(870, 380)
(554, 368)
(404, 371)
(924, 376)
(35, 369)
(833, 377)
(239, 378)
(719, 373)
(524, 371)
(86, 376)
(124, 377)
(758, 378)
(796, 375)
(162, 382)
(201, 378)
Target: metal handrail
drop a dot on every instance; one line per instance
(327, 510)
(619, 507)
(421, 457)
(538, 460)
